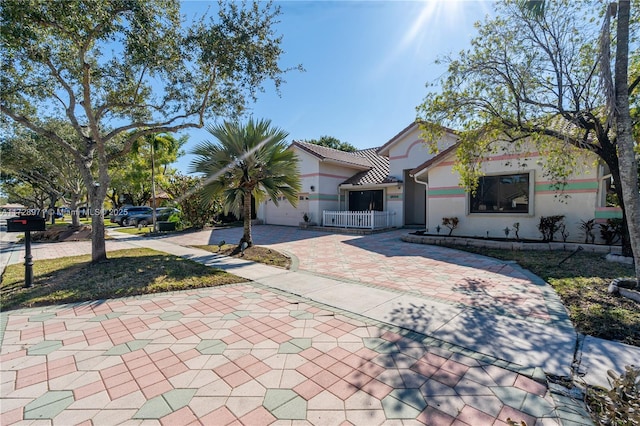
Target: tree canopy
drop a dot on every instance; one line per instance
(119, 70)
(38, 172)
(331, 142)
(541, 78)
(131, 175)
(186, 193)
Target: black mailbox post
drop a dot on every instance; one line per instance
(26, 224)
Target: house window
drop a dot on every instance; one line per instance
(360, 201)
(608, 196)
(501, 194)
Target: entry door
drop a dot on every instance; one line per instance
(415, 201)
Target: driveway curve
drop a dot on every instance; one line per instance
(383, 260)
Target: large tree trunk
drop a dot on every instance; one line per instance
(614, 168)
(73, 205)
(97, 192)
(98, 246)
(246, 236)
(627, 160)
(51, 211)
(154, 219)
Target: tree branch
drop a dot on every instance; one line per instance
(26, 122)
(634, 84)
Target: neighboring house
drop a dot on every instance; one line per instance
(417, 188)
(326, 174)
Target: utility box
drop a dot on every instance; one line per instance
(25, 223)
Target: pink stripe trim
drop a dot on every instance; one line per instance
(511, 156)
(406, 154)
(496, 158)
(550, 182)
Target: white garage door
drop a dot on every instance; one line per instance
(285, 213)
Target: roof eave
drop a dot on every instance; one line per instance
(369, 185)
(345, 164)
(384, 149)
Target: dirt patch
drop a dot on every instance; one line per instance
(258, 254)
(63, 233)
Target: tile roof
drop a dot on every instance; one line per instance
(377, 166)
(378, 174)
(324, 153)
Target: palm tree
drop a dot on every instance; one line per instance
(247, 160)
(160, 142)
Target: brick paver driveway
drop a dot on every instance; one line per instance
(249, 354)
(384, 260)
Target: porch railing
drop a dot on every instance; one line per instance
(365, 219)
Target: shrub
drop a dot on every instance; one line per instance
(611, 231)
(587, 227)
(549, 225)
(451, 223)
(564, 233)
(196, 211)
(177, 219)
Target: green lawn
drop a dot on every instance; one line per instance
(135, 230)
(126, 273)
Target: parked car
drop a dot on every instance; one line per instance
(164, 213)
(146, 218)
(123, 215)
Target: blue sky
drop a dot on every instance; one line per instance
(367, 63)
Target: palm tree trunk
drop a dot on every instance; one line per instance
(246, 237)
(627, 160)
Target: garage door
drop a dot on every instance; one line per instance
(285, 213)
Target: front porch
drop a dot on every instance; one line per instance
(372, 220)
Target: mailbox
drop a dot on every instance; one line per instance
(25, 223)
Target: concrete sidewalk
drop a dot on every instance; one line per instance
(288, 346)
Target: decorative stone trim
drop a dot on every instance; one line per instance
(621, 286)
(509, 245)
(611, 257)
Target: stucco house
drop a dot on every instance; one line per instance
(404, 184)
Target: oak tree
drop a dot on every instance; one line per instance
(548, 78)
(120, 70)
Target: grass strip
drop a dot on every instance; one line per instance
(127, 272)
